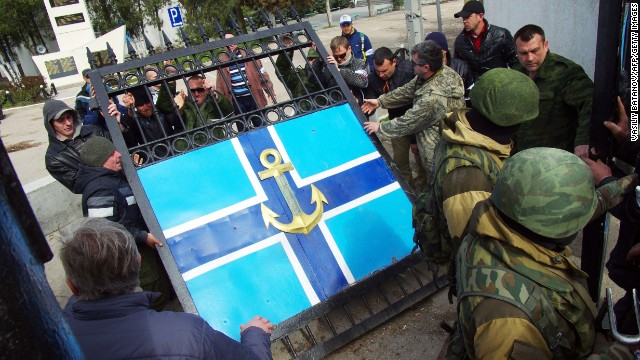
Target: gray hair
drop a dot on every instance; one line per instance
(429, 53)
(100, 259)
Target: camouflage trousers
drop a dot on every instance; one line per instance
(401, 157)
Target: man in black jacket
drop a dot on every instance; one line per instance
(483, 46)
(67, 136)
(106, 194)
(110, 320)
(391, 73)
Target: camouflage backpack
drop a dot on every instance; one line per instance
(431, 231)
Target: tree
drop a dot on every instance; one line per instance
(24, 22)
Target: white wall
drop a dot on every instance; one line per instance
(571, 26)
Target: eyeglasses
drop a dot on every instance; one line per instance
(414, 64)
(198, 90)
(341, 56)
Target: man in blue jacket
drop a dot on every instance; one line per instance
(359, 42)
(110, 320)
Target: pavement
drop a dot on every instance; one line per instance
(414, 334)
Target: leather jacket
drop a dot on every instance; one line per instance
(497, 49)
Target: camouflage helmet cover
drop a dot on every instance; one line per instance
(548, 191)
(506, 97)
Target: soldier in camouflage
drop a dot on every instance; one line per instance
(565, 96)
(435, 91)
(475, 143)
(520, 296)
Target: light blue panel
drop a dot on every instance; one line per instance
(387, 238)
(262, 283)
(324, 140)
(197, 183)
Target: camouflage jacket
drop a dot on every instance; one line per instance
(467, 166)
(296, 79)
(519, 300)
(432, 99)
(565, 107)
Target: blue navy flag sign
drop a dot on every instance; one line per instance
(279, 219)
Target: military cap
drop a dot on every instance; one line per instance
(506, 97)
(548, 191)
(312, 54)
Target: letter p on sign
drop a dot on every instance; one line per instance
(175, 16)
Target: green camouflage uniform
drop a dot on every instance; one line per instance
(432, 99)
(565, 106)
(518, 296)
(468, 164)
(295, 79)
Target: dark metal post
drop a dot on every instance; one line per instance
(32, 326)
(594, 236)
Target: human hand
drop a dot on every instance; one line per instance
(581, 151)
(619, 130)
(128, 100)
(113, 111)
(370, 105)
(260, 323)
(151, 241)
(179, 99)
(331, 60)
(209, 85)
(371, 127)
(599, 169)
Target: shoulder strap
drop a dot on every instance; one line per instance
(530, 299)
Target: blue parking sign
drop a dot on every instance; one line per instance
(175, 16)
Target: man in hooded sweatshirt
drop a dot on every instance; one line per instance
(67, 136)
(107, 194)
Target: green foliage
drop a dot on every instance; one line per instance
(107, 15)
(24, 22)
(26, 92)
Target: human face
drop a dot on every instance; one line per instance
(346, 28)
(63, 126)
(532, 53)
(422, 71)
(151, 75)
(113, 162)
(473, 23)
(145, 110)
(232, 47)
(341, 54)
(386, 70)
(197, 89)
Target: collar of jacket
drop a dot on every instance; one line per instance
(485, 221)
(456, 129)
(114, 307)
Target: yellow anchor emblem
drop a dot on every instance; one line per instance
(301, 223)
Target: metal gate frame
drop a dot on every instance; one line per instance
(400, 285)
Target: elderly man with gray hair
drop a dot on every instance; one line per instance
(435, 91)
(111, 320)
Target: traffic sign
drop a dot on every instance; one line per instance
(175, 16)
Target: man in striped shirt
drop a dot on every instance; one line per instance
(244, 83)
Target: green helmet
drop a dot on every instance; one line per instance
(548, 191)
(506, 97)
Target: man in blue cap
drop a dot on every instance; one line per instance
(359, 42)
